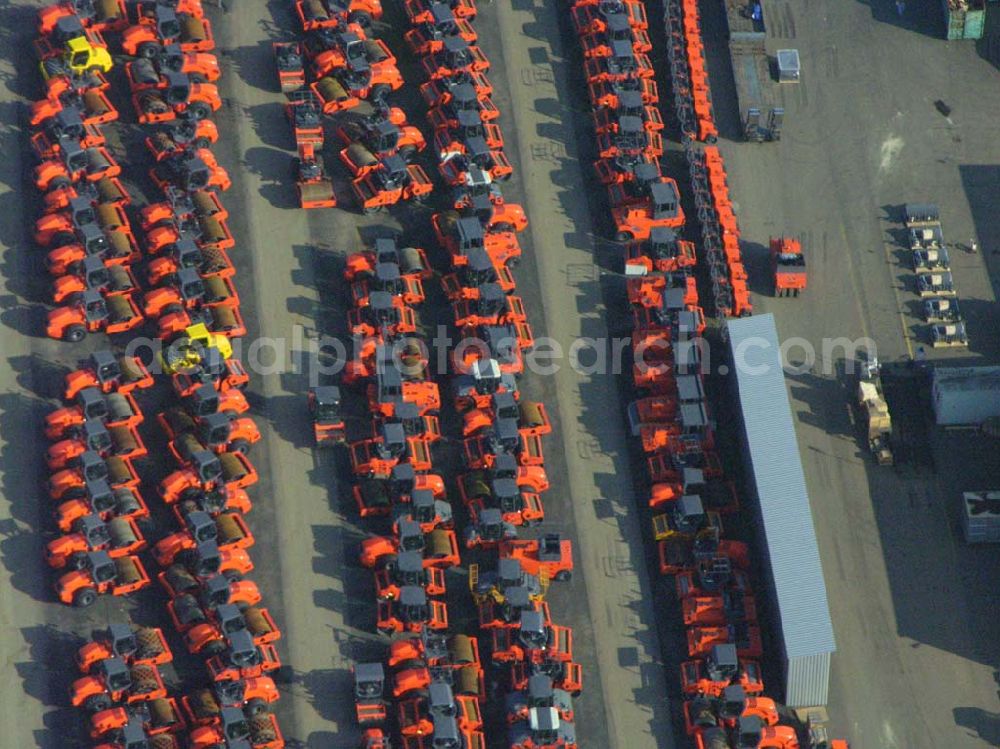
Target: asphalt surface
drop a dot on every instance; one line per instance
(289, 263)
(911, 604)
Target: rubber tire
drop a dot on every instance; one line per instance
(200, 143)
(96, 703)
(58, 182)
(379, 92)
(171, 309)
(361, 18)
(149, 50)
(197, 78)
(624, 236)
(213, 648)
(256, 706)
(84, 597)
(74, 334)
(563, 576)
(233, 576)
(386, 631)
(76, 562)
(239, 446)
(408, 153)
(199, 110)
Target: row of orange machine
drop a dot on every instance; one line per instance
(336, 68)
(92, 251)
(96, 442)
(429, 690)
(689, 494)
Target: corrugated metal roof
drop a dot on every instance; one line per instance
(784, 502)
(807, 680)
(967, 378)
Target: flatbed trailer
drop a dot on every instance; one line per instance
(761, 112)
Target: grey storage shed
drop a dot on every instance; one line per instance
(777, 492)
(965, 395)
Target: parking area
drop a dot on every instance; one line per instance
(910, 601)
(289, 264)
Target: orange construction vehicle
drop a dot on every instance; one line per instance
(289, 62)
(208, 634)
(516, 506)
(134, 645)
(593, 16)
(331, 14)
(621, 64)
(232, 727)
(94, 436)
(99, 574)
(190, 170)
(439, 548)
(228, 530)
(542, 730)
(540, 694)
(85, 107)
(90, 404)
(462, 235)
(118, 537)
(726, 709)
(531, 637)
(242, 659)
(617, 30)
(412, 611)
(107, 190)
(328, 422)
(721, 668)
(384, 132)
(74, 163)
(90, 466)
(434, 650)
(430, 37)
(387, 277)
(377, 456)
(502, 435)
(440, 91)
(662, 252)
(469, 114)
(202, 67)
(504, 468)
(788, 265)
(648, 201)
(174, 94)
(219, 431)
(377, 496)
(314, 188)
(565, 675)
(157, 25)
(389, 180)
(392, 387)
(96, 497)
(550, 553)
(93, 273)
(506, 612)
(745, 635)
(253, 696)
(718, 609)
(608, 93)
(364, 67)
(408, 570)
(369, 693)
(65, 126)
(203, 469)
(91, 311)
(100, 17)
(418, 715)
(455, 56)
(112, 680)
(421, 11)
(412, 261)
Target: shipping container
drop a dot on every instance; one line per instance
(964, 19)
(964, 396)
(776, 491)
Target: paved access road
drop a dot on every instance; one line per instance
(915, 667)
(289, 262)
